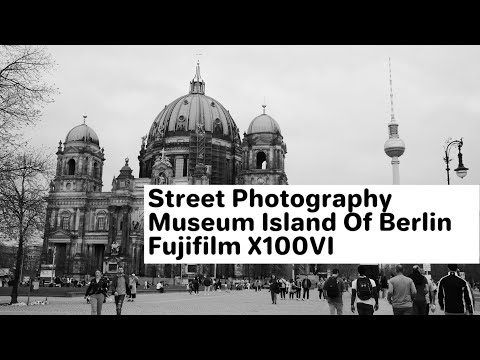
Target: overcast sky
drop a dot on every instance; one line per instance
(332, 103)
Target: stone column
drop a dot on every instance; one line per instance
(68, 258)
(100, 164)
(81, 227)
(59, 166)
(270, 163)
(91, 225)
(80, 165)
(125, 249)
(112, 226)
(75, 218)
(57, 219)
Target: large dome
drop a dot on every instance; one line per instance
(191, 112)
(82, 133)
(263, 124)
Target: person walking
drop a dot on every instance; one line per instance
(207, 283)
(306, 284)
(454, 294)
(283, 288)
(430, 297)
(97, 291)
(292, 290)
(401, 292)
(334, 289)
(347, 283)
(364, 292)
(298, 287)
(384, 286)
(421, 285)
(320, 285)
(132, 284)
(196, 285)
(288, 287)
(120, 288)
(274, 288)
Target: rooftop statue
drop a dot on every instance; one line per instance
(162, 160)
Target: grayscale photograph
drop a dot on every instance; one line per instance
(84, 128)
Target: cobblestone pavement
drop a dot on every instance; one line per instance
(245, 302)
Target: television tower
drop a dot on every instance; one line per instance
(394, 146)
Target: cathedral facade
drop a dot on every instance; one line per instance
(193, 141)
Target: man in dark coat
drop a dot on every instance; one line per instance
(306, 285)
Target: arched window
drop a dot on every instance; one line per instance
(261, 160)
(95, 170)
(71, 167)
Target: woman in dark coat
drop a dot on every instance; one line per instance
(98, 292)
(274, 288)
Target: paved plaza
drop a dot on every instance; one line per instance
(244, 302)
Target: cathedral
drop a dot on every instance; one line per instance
(193, 141)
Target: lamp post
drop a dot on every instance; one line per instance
(461, 170)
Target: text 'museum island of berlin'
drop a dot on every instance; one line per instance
(193, 141)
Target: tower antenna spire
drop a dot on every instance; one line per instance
(392, 113)
(84, 117)
(264, 104)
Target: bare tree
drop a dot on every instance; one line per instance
(24, 91)
(23, 192)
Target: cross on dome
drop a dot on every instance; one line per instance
(197, 85)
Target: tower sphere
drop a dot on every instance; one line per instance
(394, 147)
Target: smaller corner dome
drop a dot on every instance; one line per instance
(82, 133)
(264, 124)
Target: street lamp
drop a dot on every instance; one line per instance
(461, 170)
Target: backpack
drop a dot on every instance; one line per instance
(331, 286)
(364, 288)
(421, 293)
